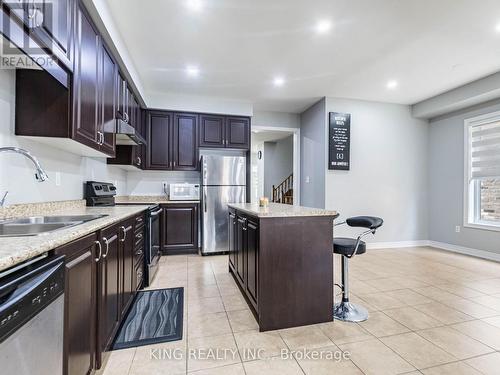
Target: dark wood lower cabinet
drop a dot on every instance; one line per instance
(103, 272)
(180, 228)
(79, 305)
(108, 296)
(252, 261)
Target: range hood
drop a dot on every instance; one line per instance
(127, 135)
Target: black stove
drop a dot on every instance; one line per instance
(100, 194)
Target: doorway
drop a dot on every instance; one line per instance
(275, 164)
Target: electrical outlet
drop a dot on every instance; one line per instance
(457, 229)
(58, 178)
(164, 184)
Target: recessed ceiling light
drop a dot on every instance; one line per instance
(392, 84)
(192, 71)
(323, 26)
(195, 5)
(278, 81)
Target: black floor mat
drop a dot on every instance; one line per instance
(155, 316)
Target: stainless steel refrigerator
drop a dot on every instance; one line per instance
(223, 181)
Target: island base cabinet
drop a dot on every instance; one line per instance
(284, 268)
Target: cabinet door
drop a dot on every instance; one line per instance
(80, 305)
(127, 264)
(85, 78)
(132, 104)
(51, 23)
(180, 232)
(107, 101)
(158, 136)
(109, 289)
(185, 149)
(212, 131)
(252, 261)
(232, 230)
(241, 239)
(237, 132)
(121, 97)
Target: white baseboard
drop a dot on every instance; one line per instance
(394, 245)
(438, 245)
(465, 250)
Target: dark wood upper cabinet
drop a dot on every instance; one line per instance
(158, 136)
(180, 228)
(238, 132)
(212, 131)
(224, 131)
(51, 22)
(85, 81)
(185, 148)
(107, 101)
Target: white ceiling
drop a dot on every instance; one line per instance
(239, 46)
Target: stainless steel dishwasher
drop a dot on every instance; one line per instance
(32, 318)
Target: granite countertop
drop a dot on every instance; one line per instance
(148, 199)
(15, 250)
(280, 210)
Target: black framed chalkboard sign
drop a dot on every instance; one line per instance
(339, 141)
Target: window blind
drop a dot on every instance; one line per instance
(485, 150)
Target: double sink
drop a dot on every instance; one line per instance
(34, 225)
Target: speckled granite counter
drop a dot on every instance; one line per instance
(14, 250)
(280, 210)
(148, 199)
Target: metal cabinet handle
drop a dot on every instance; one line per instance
(139, 160)
(107, 247)
(32, 15)
(100, 251)
(124, 234)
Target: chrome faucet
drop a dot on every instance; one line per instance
(40, 174)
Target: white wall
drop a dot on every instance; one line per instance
(17, 172)
(276, 119)
(446, 182)
(312, 155)
(388, 175)
(278, 163)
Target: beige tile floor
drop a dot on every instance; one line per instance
(431, 312)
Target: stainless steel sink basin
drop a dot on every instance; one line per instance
(32, 226)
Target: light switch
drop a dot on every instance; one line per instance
(58, 178)
(308, 180)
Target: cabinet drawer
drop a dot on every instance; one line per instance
(138, 253)
(139, 276)
(139, 221)
(138, 237)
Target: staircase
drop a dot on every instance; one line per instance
(283, 193)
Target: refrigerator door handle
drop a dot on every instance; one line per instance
(205, 199)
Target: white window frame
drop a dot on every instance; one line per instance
(472, 203)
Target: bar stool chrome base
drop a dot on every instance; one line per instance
(350, 312)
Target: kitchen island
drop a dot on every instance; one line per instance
(281, 258)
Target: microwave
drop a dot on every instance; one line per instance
(184, 192)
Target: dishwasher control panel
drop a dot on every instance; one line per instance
(27, 292)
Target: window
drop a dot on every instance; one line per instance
(482, 167)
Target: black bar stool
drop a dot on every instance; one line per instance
(348, 247)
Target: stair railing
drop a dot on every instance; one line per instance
(279, 192)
